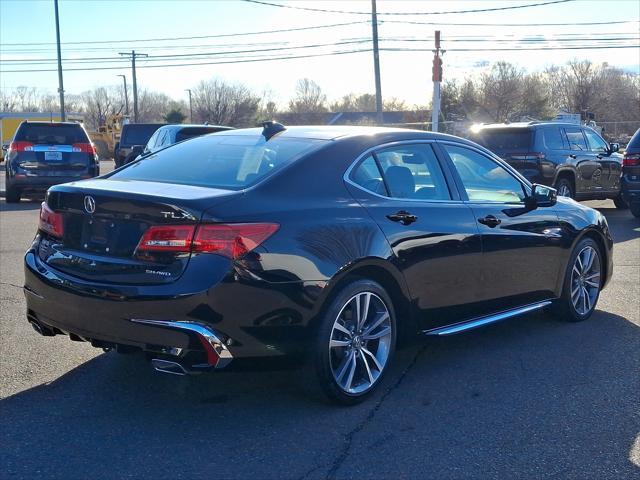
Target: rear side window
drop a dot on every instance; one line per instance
(368, 176)
(138, 134)
(576, 139)
(51, 134)
(553, 139)
(635, 141)
(507, 140)
(228, 162)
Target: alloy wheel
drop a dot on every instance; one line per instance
(585, 280)
(564, 190)
(360, 342)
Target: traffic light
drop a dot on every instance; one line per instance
(437, 69)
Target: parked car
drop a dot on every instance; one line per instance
(43, 154)
(170, 134)
(631, 174)
(325, 244)
(133, 135)
(573, 159)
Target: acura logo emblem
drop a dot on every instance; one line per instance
(89, 204)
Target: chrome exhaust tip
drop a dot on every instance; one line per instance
(167, 366)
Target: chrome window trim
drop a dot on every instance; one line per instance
(347, 175)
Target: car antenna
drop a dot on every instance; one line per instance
(271, 128)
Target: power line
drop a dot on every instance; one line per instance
(410, 22)
(345, 12)
(294, 57)
(161, 39)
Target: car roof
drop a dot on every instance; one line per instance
(180, 126)
(44, 123)
(516, 125)
(335, 132)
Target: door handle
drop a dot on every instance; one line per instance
(403, 217)
(573, 155)
(490, 221)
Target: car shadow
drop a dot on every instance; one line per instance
(533, 394)
(23, 205)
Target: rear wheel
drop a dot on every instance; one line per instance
(565, 188)
(355, 342)
(620, 203)
(582, 283)
(12, 195)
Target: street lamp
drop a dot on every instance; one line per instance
(126, 97)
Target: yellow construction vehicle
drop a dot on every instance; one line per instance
(106, 136)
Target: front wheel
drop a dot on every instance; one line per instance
(355, 343)
(565, 188)
(582, 283)
(620, 203)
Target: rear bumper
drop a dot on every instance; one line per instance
(42, 183)
(630, 190)
(236, 318)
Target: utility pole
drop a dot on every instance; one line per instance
(376, 62)
(190, 108)
(60, 84)
(133, 55)
(437, 78)
(126, 96)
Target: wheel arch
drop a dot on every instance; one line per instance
(390, 278)
(566, 172)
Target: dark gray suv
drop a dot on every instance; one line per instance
(572, 158)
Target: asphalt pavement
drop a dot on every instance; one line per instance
(527, 398)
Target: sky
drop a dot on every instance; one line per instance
(125, 25)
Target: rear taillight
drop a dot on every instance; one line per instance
(84, 148)
(51, 222)
(21, 147)
(631, 160)
(230, 240)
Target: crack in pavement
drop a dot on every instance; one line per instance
(337, 463)
(11, 285)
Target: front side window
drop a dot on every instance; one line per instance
(483, 179)
(576, 139)
(596, 144)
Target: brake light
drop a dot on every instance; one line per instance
(21, 146)
(84, 148)
(230, 240)
(50, 221)
(631, 160)
(167, 238)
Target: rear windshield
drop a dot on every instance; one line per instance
(504, 140)
(635, 141)
(51, 134)
(219, 161)
(138, 134)
(191, 132)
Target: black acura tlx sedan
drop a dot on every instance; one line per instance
(319, 244)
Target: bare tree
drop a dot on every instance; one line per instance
(222, 103)
(308, 98)
(501, 90)
(152, 106)
(100, 102)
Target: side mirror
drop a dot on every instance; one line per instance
(137, 150)
(614, 147)
(5, 148)
(543, 196)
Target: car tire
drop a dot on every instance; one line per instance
(564, 188)
(635, 209)
(582, 283)
(12, 194)
(620, 203)
(351, 357)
